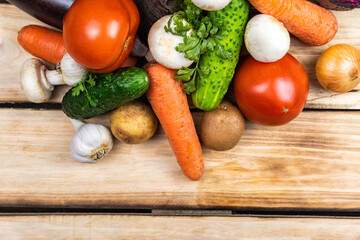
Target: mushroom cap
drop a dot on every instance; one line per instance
(211, 5)
(266, 38)
(33, 81)
(162, 45)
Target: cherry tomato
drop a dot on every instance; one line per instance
(271, 93)
(100, 34)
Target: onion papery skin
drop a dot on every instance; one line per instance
(338, 68)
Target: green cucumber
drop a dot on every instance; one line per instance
(210, 89)
(110, 91)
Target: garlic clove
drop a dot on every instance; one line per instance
(91, 142)
(72, 72)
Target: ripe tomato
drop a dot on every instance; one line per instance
(100, 34)
(271, 93)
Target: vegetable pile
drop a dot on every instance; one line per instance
(105, 53)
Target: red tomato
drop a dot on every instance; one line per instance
(101, 34)
(271, 93)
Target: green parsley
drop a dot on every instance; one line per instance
(88, 79)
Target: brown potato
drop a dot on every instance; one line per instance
(221, 128)
(133, 123)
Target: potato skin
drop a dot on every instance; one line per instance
(221, 128)
(133, 123)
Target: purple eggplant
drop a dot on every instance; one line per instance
(47, 11)
(341, 5)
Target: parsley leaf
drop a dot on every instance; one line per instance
(89, 78)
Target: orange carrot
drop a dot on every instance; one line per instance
(170, 105)
(42, 42)
(309, 22)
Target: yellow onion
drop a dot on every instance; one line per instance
(338, 68)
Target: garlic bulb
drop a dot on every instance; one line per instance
(72, 72)
(91, 142)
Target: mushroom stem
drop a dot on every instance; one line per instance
(54, 77)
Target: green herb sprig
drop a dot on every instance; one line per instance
(201, 34)
(89, 78)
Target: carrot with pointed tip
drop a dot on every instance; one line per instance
(309, 22)
(170, 105)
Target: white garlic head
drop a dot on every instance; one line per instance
(91, 142)
(72, 72)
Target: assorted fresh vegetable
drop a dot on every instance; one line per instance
(100, 93)
(266, 39)
(309, 22)
(278, 91)
(169, 102)
(196, 45)
(222, 128)
(91, 142)
(338, 68)
(213, 41)
(100, 35)
(133, 123)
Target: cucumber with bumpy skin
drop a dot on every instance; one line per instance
(211, 89)
(110, 91)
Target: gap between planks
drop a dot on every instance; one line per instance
(184, 213)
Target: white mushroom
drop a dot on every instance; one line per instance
(38, 82)
(266, 39)
(211, 5)
(162, 46)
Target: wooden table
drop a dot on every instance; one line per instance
(297, 181)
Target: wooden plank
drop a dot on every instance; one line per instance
(312, 162)
(194, 228)
(12, 56)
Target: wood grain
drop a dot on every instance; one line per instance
(312, 162)
(12, 56)
(164, 228)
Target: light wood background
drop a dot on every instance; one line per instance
(312, 162)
